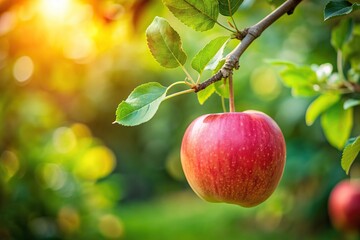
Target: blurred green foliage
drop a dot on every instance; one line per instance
(66, 172)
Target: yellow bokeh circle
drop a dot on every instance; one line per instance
(96, 163)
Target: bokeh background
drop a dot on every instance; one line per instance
(67, 172)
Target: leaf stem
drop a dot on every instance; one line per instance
(234, 23)
(176, 83)
(223, 104)
(187, 74)
(179, 93)
(231, 93)
(339, 63)
(198, 79)
(231, 16)
(225, 27)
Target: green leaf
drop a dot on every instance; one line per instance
(351, 49)
(337, 124)
(354, 75)
(165, 44)
(303, 91)
(339, 8)
(319, 105)
(280, 62)
(222, 88)
(204, 94)
(341, 33)
(141, 105)
(355, 64)
(301, 79)
(205, 56)
(298, 76)
(217, 59)
(351, 103)
(229, 7)
(201, 15)
(350, 153)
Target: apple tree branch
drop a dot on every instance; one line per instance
(247, 36)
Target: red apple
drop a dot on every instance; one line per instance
(344, 205)
(235, 157)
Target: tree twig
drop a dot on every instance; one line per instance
(232, 59)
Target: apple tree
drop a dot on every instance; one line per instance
(336, 90)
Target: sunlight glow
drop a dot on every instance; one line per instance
(55, 9)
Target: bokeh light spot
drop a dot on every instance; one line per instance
(7, 22)
(110, 226)
(264, 83)
(64, 139)
(96, 163)
(23, 68)
(79, 47)
(81, 131)
(53, 176)
(9, 164)
(42, 227)
(68, 219)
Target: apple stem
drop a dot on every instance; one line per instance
(231, 93)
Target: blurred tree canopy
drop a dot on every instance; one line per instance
(67, 172)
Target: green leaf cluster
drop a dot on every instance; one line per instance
(336, 114)
(336, 98)
(306, 80)
(166, 47)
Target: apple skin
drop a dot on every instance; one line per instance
(236, 157)
(344, 206)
